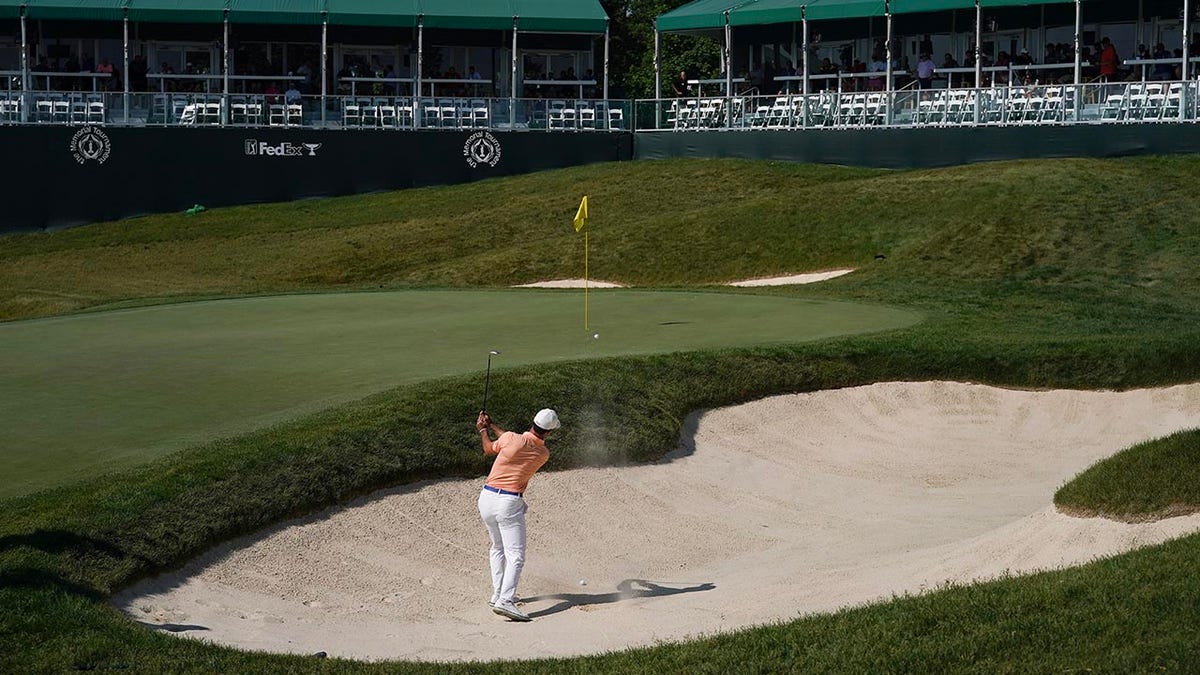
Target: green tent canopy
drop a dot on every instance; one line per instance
(710, 14)
(561, 16)
(77, 10)
(177, 11)
(388, 13)
(296, 12)
(767, 11)
(567, 16)
(699, 15)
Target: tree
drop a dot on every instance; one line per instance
(631, 49)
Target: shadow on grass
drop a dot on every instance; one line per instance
(626, 590)
(56, 543)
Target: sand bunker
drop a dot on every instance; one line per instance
(571, 283)
(810, 278)
(773, 509)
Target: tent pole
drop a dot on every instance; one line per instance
(417, 112)
(978, 45)
(657, 64)
(512, 88)
(1078, 58)
(657, 79)
(978, 57)
(324, 58)
(125, 66)
(1187, 40)
(889, 88)
(1185, 72)
(728, 73)
(225, 76)
(804, 24)
(606, 37)
(24, 70)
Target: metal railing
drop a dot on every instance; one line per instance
(364, 112)
(1093, 103)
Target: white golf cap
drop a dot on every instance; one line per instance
(547, 419)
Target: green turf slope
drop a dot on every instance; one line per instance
(103, 390)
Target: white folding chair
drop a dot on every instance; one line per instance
(351, 113)
(587, 118)
(188, 115)
(480, 116)
(557, 115)
(95, 109)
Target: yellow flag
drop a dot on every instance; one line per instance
(581, 215)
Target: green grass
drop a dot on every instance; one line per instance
(102, 390)
(1072, 273)
(1151, 480)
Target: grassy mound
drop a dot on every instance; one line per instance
(1152, 480)
(1030, 274)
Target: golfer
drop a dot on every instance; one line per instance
(502, 503)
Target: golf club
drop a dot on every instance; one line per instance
(488, 379)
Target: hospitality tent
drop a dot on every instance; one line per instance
(707, 15)
(528, 16)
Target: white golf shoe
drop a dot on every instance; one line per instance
(510, 610)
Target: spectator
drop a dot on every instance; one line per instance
(306, 72)
(1108, 60)
(292, 95)
(948, 61)
(137, 73)
(272, 92)
(1162, 71)
(858, 82)
(680, 84)
(879, 65)
(925, 68)
(827, 68)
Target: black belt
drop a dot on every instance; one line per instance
(498, 491)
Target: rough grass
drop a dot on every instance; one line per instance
(1083, 223)
(1034, 274)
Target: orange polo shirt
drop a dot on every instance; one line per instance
(518, 457)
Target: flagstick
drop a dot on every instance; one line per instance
(585, 278)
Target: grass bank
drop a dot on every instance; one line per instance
(1152, 480)
(1031, 274)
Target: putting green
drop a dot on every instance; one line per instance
(92, 392)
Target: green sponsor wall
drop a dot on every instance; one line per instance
(76, 175)
(924, 148)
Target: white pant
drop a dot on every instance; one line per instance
(504, 516)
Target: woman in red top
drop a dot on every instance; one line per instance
(1108, 60)
(502, 501)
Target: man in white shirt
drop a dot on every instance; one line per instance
(925, 68)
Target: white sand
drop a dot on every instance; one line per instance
(785, 506)
(809, 278)
(571, 283)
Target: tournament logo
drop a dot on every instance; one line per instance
(90, 144)
(263, 149)
(482, 148)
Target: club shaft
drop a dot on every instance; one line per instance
(487, 382)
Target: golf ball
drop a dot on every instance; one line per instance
(595, 336)
(582, 582)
